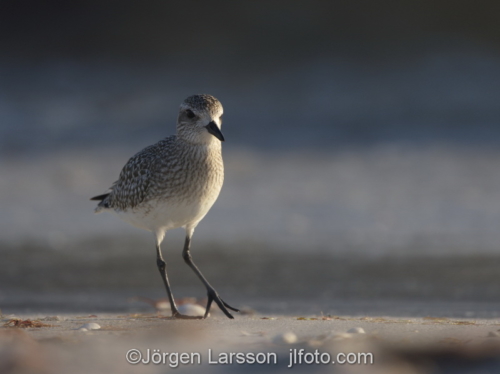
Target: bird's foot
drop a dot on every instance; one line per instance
(213, 296)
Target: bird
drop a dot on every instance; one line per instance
(173, 184)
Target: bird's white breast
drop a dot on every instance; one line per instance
(166, 215)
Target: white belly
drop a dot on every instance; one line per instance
(162, 216)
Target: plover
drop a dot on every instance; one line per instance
(174, 183)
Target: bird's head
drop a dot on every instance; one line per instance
(200, 120)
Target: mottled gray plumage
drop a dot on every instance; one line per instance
(170, 171)
(174, 183)
(204, 102)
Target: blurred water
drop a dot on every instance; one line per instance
(376, 200)
(444, 94)
(330, 154)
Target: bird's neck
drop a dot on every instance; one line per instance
(207, 150)
(211, 144)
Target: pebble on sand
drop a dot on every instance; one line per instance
(285, 338)
(356, 330)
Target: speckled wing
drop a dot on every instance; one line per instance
(143, 177)
(133, 184)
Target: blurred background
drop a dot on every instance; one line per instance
(362, 153)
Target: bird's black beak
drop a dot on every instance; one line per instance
(213, 129)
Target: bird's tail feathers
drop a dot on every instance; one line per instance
(103, 203)
(100, 197)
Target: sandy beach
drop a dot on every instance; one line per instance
(275, 343)
(412, 314)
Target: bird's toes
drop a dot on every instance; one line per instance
(229, 306)
(220, 303)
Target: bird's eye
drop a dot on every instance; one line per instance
(189, 113)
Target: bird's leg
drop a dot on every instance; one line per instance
(162, 267)
(212, 294)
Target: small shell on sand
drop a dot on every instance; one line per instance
(285, 338)
(191, 310)
(356, 330)
(89, 326)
